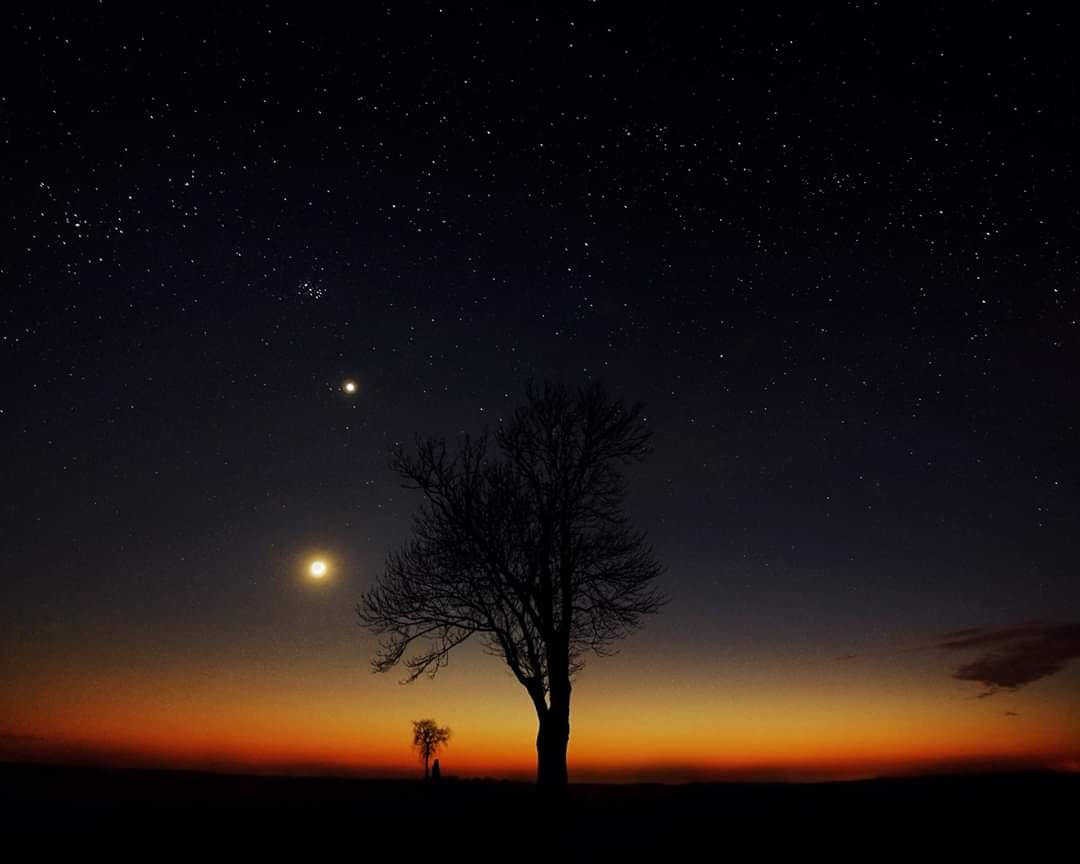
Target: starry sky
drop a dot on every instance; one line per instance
(834, 253)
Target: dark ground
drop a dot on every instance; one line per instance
(493, 820)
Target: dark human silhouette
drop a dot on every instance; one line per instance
(436, 772)
(525, 545)
(428, 737)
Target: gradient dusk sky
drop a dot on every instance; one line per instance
(834, 253)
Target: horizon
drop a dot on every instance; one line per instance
(50, 755)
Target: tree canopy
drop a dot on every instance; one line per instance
(526, 545)
(428, 737)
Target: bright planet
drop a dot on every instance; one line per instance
(317, 569)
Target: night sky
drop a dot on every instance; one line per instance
(834, 253)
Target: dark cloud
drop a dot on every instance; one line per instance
(961, 634)
(846, 657)
(1016, 655)
(1011, 714)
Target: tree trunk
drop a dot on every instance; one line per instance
(552, 739)
(426, 758)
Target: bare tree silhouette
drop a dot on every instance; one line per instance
(527, 547)
(428, 737)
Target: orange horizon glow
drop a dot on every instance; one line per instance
(666, 747)
(311, 705)
(248, 757)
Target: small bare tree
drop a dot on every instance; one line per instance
(428, 737)
(528, 548)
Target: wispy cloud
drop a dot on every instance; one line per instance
(846, 657)
(962, 634)
(1014, 656)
